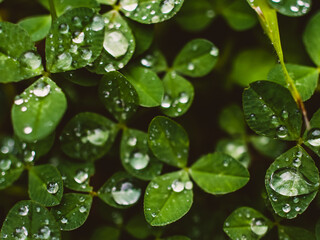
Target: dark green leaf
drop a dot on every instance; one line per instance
(136, 157)
(168, 141)
(38, 110)
(231, 120)
(177, 238)
(45, 185)
(197, 58)
(271, 111)
(312, 137)
(110, 233)
(294, 233)
(10, 169)
(38, 26)
(138, 227)
(291, 8)
(168, 198)
(81, 77)
(317, 230)
(75, 40)
(218, 173)
(267, 146)
(88, 136)
(19, 59)
(118, 95)
(28, 219)
(154, 60)
(292, 181)
(73, 211)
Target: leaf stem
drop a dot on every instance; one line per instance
(52, 10)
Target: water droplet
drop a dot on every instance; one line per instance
(139, 160)
(78, 37)
(286, 208)
(274, 120)
(214, 52)
(86, 54)
(125, 193)
(155, 19)
(27, 130)
(21, 233)
(97, 137)
(259, 226)
(177, 186)
(41, 89)
(183, 97)
(18, 100)
(166, 101)
(64, 220)
(64, 28)
(253, 117)
(24, 210)
(190, 66)
(97, 23)
(296, 200)
(115, 43)
(29, 156)
(64, 61)
(132, 141)
(167, 6)
(296, 162)
(313, 137)
(31, 60)
(129, 5)
(45, 233)
(82, 209)
(76, 21)
(109, 68)
(81, 176)
(52, 188)
(282, 132)
(5, 164)
(284, 114)
(188, 185)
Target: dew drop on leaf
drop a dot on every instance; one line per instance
(286, 208)
(27, 130)
(115, 43)
(188, 185)
(20, 233)
(129, 5)
(313, 137)
(24, 210)
(82, 209)
(125, 193)
(282, 132)
(41, 89)
(259, 226)
(5, 164)
(64, 220)
(64, 28)
(78, 37)
(31, 60)
(52, 188)
(81, 176)
(139, 160)
(97, 23)
(167, 6)
(177, 186)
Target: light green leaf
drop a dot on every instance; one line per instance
(147, 84)
(291, 8)
(120, 191)
(10, 169)
(231, 120)
(305, 78)
(218, 173)
(311, 137)
(110, 233)
(27, 219)
(88, 136)
(147, 11)
(197, 58)
(178, 95)
(73, 211)
(311, 38)
(38, 110)
(168, 141)
(37, 27)
(18, 57)
(294, 233)
(292, 181)
(168, 198)
(136, 157)
(246, 223)
(45, 185)
(118, 44)
(154, 60)
(75, 40)
(267, 146)
(270, 111)
(118, 96)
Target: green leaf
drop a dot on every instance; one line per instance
(270, 111)
(235, 148)
(147, 84)
(178, 238)
(81, 77)
(27, 219)
(305, 78)
(292, 181)
(246, 223)
(10, 169)
(168, 141)
(136, 157)
(18, 57)
(118, 96)
(294, 233)
(178, 95)
(267, 146)
(311, 137)
(88, 136)
(291, 8)
(317, 230)
(37, 27)
(168, 198)
(150, 11)
(120, 191)
(242, 66)
(118, 44)
(138, 227)
(45, 185)
(154, 60)
(231, 120)
(75, 40)
(311, 38)
(110, 233)
(195, 16)
(218, 173)
(73, 211)
(197, 58)
(38, 110)
(107, 2)
(76, 176)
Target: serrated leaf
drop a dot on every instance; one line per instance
(311, 38)
(267, 146)
(150, 11)
(76, 176)
(231, 120)
(75, 40)
(168, 141)
(118, 96)
(305, 78)
(147, 84)
(168, 198)
(18, 57)
(88, 136)
(73, 211)
(178, 95)
(154, 60)
(45, 185)
(246, 223)
(270, 111)
(219, 173)
(291, 8)
(311, 137)
(37, 27)
(292, 181)
(120, 191)
(118, 44)
(197, 58)
(294, 233)
(38, 110)
(136, 157)
(27, 219)
(10, 169)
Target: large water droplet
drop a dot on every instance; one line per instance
(31, 60)
(115, 43)
(96, 137)
(5, 164)
(64, 61)
(78, 37)
(129, 5)
(313, 137)
(259, 226)
(97, 23)
(139, 160)
(125, 193)
(167, 6)
(41, 89)
(177, 186)
(52, 187)
(81, 176)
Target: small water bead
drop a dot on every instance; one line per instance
(132, 141)
(21, 233)
(64, 61)
(313, 137)
(18, 101)
(52, 188)
(167, 6)
(29, 156)
(23, 211)
(296, 200)
(177, 186)
(86, 54)
(139, 160)
(284, 114)
(31, 60)
(259, 226)
(286, 208)
(41, 89)
(64, 220)
(5, 164)
(190, 66)
(282, 132)
(125, 193)
(97, 23)
(188, 185)
(129, 5)
(27, 130)
(78, 37)
(64, 28)
(276, 1)
(81, 176)
(274, 120)
(97, 137)
(253, 117)
(45, 232)
(115, 43)
(76, 21)
(155, 19)
(146, 62)
(82, 209)
(73, 48)
(296, 162)
(214, 52)
(24, 108)
(109, 68)
(166, 101)
(298, 209)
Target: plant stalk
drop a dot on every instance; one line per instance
(52, 10)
